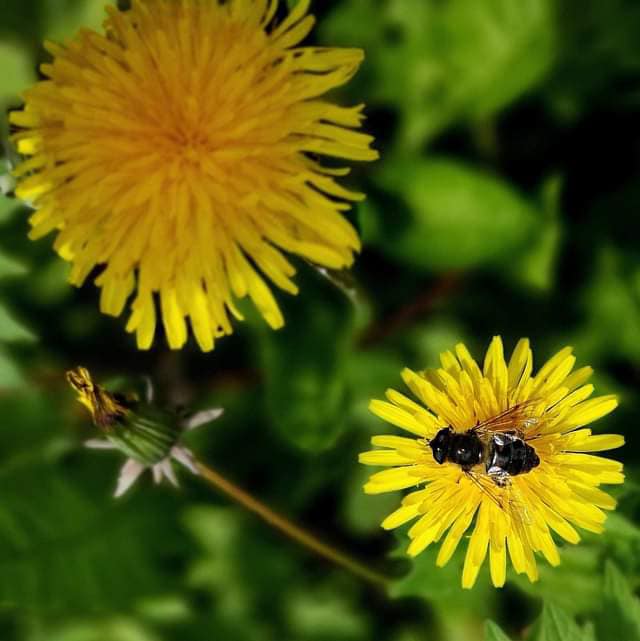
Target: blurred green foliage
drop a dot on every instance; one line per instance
(506, 201)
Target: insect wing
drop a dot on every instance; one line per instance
(486, 486)
(508, 498)
(517, 506)
(520, 418)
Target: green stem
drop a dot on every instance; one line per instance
(290, 529)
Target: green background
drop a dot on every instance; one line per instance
(506, 202)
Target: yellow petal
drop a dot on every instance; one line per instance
(590, 411)
(520, 363)
(383, 457)
(397, 416)
(401, 516)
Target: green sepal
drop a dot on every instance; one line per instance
(146, 434)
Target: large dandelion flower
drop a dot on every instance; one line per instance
(510, 458)
(178, 152)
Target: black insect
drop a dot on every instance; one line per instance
(499, 443)
(509, 455)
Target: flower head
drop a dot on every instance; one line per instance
(520, 466)
(150, 437)
(173, 152)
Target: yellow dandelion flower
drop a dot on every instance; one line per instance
(499, 450)
(178, 153)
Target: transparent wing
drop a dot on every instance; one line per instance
(520, 418)
(518, 507)
(507, 497)
(485, 485)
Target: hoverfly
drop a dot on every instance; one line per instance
(500, 443)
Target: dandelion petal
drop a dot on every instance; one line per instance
(129, 473)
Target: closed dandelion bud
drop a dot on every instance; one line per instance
(145, 434)
(149, 436)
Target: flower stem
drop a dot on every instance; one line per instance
(290, 529)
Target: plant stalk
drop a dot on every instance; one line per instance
(293, 531)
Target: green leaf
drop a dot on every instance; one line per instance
(10, 266)
(306, 389)
(7, 207)
(10, 374)
(63, 18)
(442, 62)
(233, 546)
(318, 615)
(441, 586)
(493, 633)
(64, 551)
(12, 330)
(49, 283)
(535, 265)
(611, 306)
(556, 625)
(113, 629)
(170, 608)
(18, 72)
(620, 615)
(426, 341)
(457, 216)
(368, 374)
(571, 586)
(497, 50)
(363, 513)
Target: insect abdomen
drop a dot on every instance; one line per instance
(511, 455)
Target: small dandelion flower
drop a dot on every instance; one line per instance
(149, 436)
(499, 450)
(175, 153)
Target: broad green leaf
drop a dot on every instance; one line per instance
(65, 551)
(10, 266)
(622, 542)
(611, 306)
(304, 366)
(18, 72)
(557, 625)
(441, 586)
(113, 629)
(10, 374)
(363, 513)
(427, 340)
(619, 617)
(459, 613)
(442, 62)
(11, 329)
(454, 216)
(172, 608)
(369, 373)
(324, 615)
(49, 285)
(493, 633)
(571, 585)
(535, 264)
(63, 18)
(7, 207)
(497, 50)
(233, 546)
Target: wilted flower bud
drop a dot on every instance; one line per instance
(149, 436)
